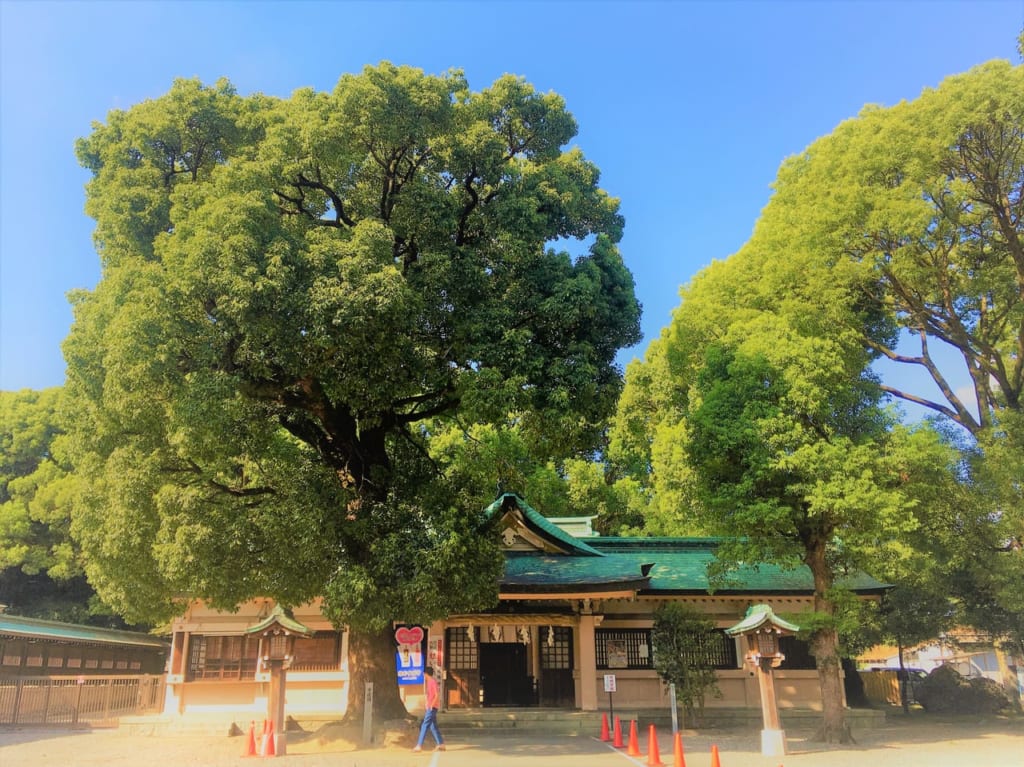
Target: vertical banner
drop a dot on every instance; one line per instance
(409, 655)
(436, 654)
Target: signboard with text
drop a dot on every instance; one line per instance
(409, 655)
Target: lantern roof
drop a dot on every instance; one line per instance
(278, 616)
(758, 618)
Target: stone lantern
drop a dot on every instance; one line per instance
(763, 629)
(277, 633)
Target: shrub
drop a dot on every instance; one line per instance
(945, 690)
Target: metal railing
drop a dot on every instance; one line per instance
(71, 700)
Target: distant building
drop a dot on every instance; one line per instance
(33, 647)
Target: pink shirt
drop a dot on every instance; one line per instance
(431, 688)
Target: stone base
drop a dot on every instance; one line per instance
(773, 742)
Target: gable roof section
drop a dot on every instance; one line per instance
(510, 509)
(551, 561)
(35, 628)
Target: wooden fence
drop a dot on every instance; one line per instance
(881, 686)
(72, 700)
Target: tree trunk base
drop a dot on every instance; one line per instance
(372, 659)
(841, 735)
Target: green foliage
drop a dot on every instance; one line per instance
(682, 638)
(756, 413)
(41, 573)
(299, 296)
(915, 211)
(944, 690)
(35, 489)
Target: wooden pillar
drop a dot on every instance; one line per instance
(588, 664)
(769, 707)
(275, 705)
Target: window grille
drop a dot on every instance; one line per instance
(462, 652)
(222, 657)
(555, 647)
(716, 650)
(320, 652)
(797, 652)
(623, 648)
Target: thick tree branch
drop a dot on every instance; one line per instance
(962, 417)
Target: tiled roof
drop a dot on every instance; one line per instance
(681, 566)
(35, 628)
(525, 571)
(540, 524)
(650, 566)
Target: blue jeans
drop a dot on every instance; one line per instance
(430, 723)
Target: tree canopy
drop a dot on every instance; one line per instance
(297, 296)
(759, 412)
(34, 523)
(917, 209)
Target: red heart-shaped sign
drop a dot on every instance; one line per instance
(406, 635)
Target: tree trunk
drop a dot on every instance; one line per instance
(903, 680)
(1007, 676)
(371, 658)
(825, 648)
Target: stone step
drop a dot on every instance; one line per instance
(502, 720)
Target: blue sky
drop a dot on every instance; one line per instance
(688, 108)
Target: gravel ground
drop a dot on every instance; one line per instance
(921, 741)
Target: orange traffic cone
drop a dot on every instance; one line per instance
(678, 760)
(271, 747)
(714, 757)
(263, 739)
(604, 728)
(634, 746)
(618, 734)
(653, 755)
(250, 746)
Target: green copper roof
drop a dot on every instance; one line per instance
(34, 628)
(650, 566)
(681, 567)
(525, 571)
(540, 525)
(280, 616)
(759, 616)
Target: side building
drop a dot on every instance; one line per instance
(35, 647)
(54, 673)
(572, 609)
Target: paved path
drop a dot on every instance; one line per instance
(920, 743)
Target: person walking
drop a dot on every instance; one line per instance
(430, 717)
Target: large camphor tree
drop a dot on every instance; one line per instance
(918, 211)
(759, 410)
(297, 295)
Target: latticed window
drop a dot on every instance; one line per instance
(222, 657)
(623, 648)
(462, 651)
(555, 647)
(320, 652)
(714, 650)
(797, 652)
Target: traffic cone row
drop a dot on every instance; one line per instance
(653, 753)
